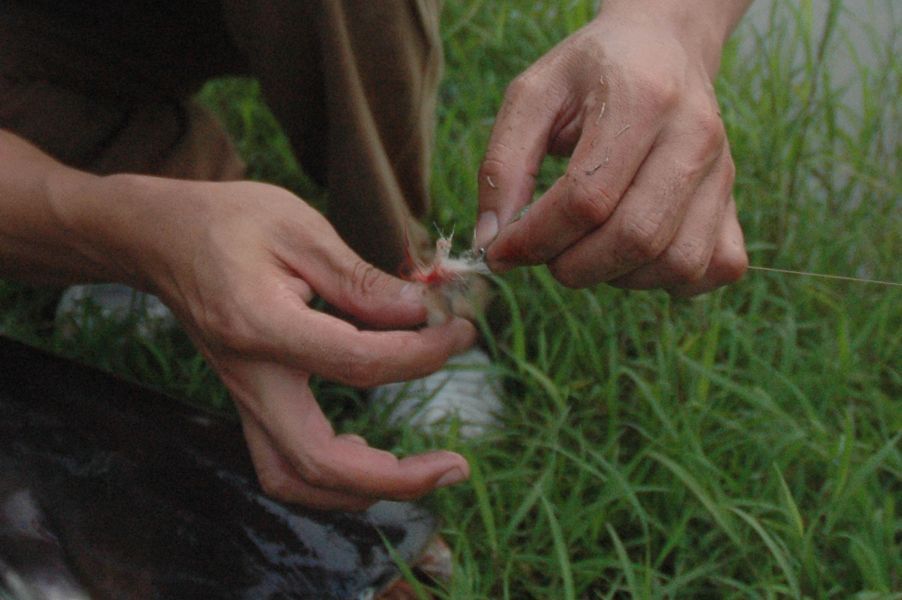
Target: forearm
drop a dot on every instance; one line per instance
(40, 241)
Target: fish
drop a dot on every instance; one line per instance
(111, 489)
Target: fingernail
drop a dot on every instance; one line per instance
(486, 229)
(453, 476)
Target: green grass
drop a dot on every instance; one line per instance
(745, 444)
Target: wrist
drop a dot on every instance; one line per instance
(702, 27)
(100, 216)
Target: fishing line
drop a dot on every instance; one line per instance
(827, 276)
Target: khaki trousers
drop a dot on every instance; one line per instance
(353, 83)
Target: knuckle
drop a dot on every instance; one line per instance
(705, 140)
(697, 160)
(687, 173)
(314, 471)
(566, 276)
(276, 486)
(729, 174)
(688, 262)
(524, 84)
(710, 128)
(532, 94)
(695, 165)
(641, 240)
(586, 202)
(364, 281)
(662, 92)
(492, 167)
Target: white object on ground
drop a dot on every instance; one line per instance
(465, 389)
(114, 302)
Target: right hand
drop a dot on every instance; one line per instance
(645, 201)
(238, 263)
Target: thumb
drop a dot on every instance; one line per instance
(360, 289)
(519, 141)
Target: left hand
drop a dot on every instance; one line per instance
(646, 199)
(239, 264)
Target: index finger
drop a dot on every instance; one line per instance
(519, 141)
(612, 147)
(336, 350)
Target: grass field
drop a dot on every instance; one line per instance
(745, 444)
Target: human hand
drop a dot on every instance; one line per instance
(646, 198)
(238, 263)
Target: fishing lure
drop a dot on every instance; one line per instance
(448, 280)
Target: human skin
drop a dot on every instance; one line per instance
(646, 199)
(238, 264)
(645, 203)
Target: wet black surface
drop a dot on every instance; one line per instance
(125, 493)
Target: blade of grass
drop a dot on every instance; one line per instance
(406, 571)
(792, 509)
(774, 549)
(483, 502)
(625, 564)
(560, 549)
(713, 508)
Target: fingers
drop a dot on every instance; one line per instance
(647, 218)
(603, 165)
(686, 258)
(519, 141)
(358, 288)
(281, 481)
(640, 229)
(299, 458)
(273, 322)
(729, 260)
(644, 195)
(338, 351)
